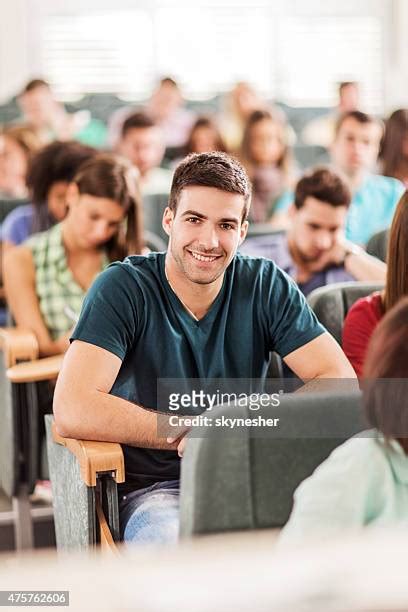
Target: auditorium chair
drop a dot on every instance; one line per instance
(21, 427)
(21, 452)
(84, 477)
(153, 209)
(245, 479)
(332, 303)
(377, 246)
(230, 480)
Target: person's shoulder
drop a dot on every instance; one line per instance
(262, 271)
(20, 214)
(386, 184)
(253, 266)
(368, 306)
(40, 240)
(134, 267)
(361, 454)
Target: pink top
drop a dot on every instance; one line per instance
(359, 325)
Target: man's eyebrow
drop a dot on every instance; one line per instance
(188, 213)
(231, 220)
(193, 212)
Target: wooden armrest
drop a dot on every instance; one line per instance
(18, 344)
(94, 457)
(35, 371)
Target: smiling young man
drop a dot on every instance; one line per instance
(198, 311)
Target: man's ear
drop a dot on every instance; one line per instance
(243, 232)
(167, 221)
(72, 194)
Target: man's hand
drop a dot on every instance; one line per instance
(334, 256)
(181, 442)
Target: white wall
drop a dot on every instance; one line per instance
(14, 64)
(396, 73)
(20, 19)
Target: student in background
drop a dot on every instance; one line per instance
(365, 480)
(267, 158)
(46, 278)
(314, 251)
(237, 106)
(364, 316)
(18, 143)
(354, 152)
(166, 106)
(49, 174)
(394, 149)
(49, 119)
(142, 144)
(321, 131)
(205, 137)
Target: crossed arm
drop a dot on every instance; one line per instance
(84, 409)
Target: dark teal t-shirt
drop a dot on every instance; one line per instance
(132, 312)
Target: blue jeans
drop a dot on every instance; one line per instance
(151, 515)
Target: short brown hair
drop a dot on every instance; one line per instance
(386, 374)
(345, 84)
(360, 117)
(139, 120)
(325, 185)
(34, 84)
(109, 176)
(215, 169)
(397, 257)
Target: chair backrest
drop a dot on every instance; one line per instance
(153, 209)
(154, 242)
(263, 229)
(9, 435)
(332, 303)
(378, 244)
(244, 478)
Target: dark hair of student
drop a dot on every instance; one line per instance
(214, 169)
(344, 84)
(325, 185)
(139, 120)
(386, 375)
(56, 162)
(392, 150)
(397, 257)
(110, 176)
(360, 117)
(34, 84)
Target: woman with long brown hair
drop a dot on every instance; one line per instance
(394, 148)
(366, 313)
(46, 278)
(266, 155)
